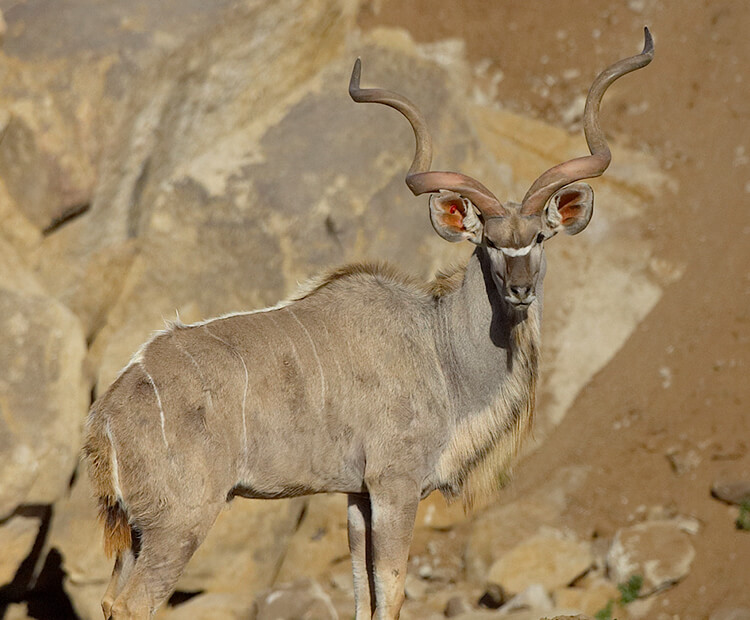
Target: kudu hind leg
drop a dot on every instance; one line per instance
(124, 564)
(165, 550)
(394, 510)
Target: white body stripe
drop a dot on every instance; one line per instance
(317, 359)
(247, 383)
(158, 401)
(115, 470)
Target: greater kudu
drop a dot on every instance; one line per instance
(368, 384)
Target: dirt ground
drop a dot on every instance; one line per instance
(679, 386)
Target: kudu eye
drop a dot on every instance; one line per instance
(540, 237)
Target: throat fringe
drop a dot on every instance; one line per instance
(479, 458)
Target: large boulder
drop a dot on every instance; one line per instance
(44, 394)
(658, 551)
(549, 558)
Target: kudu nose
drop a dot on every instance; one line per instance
(520, 292)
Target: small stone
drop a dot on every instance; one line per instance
(732, 491)
(494, 597)
(637, 6)
(683, 462)
(689, 525)
(456, 606)
(425, 571)
(658, 551)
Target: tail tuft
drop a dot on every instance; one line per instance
(117, 534)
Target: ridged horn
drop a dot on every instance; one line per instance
(595, 164)
(419, 178)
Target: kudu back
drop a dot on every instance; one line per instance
(367, 383)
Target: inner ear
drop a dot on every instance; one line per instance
(453, 217)
(570, 208)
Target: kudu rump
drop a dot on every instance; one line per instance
(368, 384)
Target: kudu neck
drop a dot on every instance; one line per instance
(483, 334)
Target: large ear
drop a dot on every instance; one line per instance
(570, 209)
(453, 217)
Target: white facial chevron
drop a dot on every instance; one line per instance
(517, 251)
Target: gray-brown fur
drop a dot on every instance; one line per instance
(360, 367)
(367, 383)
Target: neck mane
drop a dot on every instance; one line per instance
(491, 362)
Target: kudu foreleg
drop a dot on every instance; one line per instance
(393, 505)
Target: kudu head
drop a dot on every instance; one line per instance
(511, 234)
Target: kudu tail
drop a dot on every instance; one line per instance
(102, 469)
(117, 532)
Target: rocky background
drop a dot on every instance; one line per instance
(200, 158)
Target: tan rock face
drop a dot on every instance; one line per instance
(659, 551)
(17, 611)
(210, 100)
(435, 513)
(549, 558)
(64, 76)
(736, 613)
